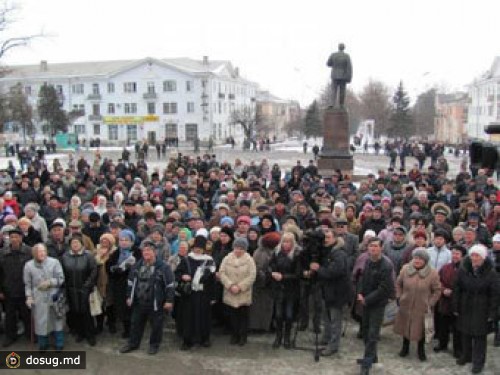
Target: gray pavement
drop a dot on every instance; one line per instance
(258, 357)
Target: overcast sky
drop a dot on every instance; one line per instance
(282, 45)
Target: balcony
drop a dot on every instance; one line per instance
(95, 117)
(149, 95)
(231, 96)
(94, 97)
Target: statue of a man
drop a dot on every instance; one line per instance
(340, 62)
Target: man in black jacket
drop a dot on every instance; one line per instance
(150, 292)
(333, 276)
(377, 286)
(12, 261)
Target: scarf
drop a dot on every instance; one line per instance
(124, 255)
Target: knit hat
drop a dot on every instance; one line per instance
(479, 250)
(202, 232)
(200, 242)
(421, 252)
(369, 233)
(241, 242)
(244, 219)
(228, 231)
(127, 233)
(109, 237)
(271, 240)
(227, 220)
(496, 238)
(460, 248)
(158, 228)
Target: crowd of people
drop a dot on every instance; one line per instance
(249, 247)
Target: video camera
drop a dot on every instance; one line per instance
(313, 244)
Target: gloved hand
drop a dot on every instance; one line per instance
(44, 285)
(30, 302)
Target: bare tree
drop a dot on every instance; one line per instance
(247, 118)
(352, 104)
(376, 105)
(8, 42)
(20, 111)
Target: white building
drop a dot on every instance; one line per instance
(484, 102)
(143, 99)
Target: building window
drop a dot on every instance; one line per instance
(220, 107)
(169, 108)
(97, 129)
(59, 89)
(130, 108)
(96, 109)
(79, 129)
(190, 107)
(77, 88)
(95, 89)
(191, 132)
(79, 108)
(111, 108)
(113, 132)
(169, 86)
(151, 88)
(151, 108)
(171, 130)
(130, 87)
(132, 132)
(189, 86)
(111, 87)
(27, 90)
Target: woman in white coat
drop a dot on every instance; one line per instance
(43, 278)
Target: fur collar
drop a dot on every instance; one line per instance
(423, 272)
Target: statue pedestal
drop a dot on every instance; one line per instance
(335, 154)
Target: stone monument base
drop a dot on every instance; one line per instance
(329, 164)
(335, 154)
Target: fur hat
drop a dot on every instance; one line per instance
(479, 250)
(109, 237)
(421, 252)
(271, 240)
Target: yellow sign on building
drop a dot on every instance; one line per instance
(129, 120)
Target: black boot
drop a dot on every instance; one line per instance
(288, 330)
(496, 342)
(99, 323)
(405, 349)
(421, 350)
(279, 335)
(111, 319)
(126, 330)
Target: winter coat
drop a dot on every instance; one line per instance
(417, 291)
(334, 276)
(33, 237)
(11, 271)
(475, 297)
(290, 267)
(162, 282)
(351, 248)
(439, 257)
(57, 249)
(261, 310)
(44, 318)
(377, 284)
(80, 273)
(395, 253)
(448, 276)
(238, 271)
(40, 225)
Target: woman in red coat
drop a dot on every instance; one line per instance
(446, 321)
